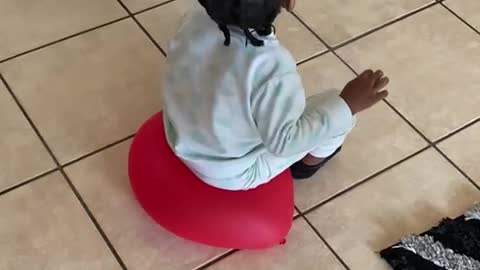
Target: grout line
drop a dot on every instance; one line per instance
(25, 114)
(93, 219)
(330, 49)
(233, 251)
(364, 181)
(362, 35)
(460, 18)
(97, 151)
(385, 25)
(405, 119)
(457, 167)
(217, 259)
(62, 39)
(150, 36)
(455, 132)
(67, 179)
(353, 187)
(337, 256)
(299, 212)
(397, 112)
(33, 179)
(152, 7)
(316, 55)
(130, 14)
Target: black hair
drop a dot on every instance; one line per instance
(256, 15)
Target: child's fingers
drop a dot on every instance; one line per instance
(367, 74)
(381, 95)
(368, 77)
(380, 84)
(378, 75)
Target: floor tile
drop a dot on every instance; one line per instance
(425, 63)
(47, 228)
(91, 90)
(164, 21)
(296, 38)
(380, 138)
(29, 24)
(410, 198)
(103, 182)
(137, 5)
(464, 149)
(469, 10)
(337, 21)
(22, 153)
(303, 250)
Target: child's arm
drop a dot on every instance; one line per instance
(290, 125)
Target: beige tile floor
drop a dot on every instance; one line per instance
(78, 77)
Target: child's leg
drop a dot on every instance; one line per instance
(269, 165)
(265, 168)
(329, 147)
(318, 157)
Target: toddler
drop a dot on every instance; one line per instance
(235, 109)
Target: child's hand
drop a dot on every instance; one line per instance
(365, 91)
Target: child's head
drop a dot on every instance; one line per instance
(246, 14)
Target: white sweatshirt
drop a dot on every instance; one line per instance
(226, 106)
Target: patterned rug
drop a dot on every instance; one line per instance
(452, 245)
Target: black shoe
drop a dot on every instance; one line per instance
(302, 171)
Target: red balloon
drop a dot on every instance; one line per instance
(181, 203)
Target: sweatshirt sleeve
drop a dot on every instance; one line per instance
(289, 124)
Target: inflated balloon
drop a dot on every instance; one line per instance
(181, 203)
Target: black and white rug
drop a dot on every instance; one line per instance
(452, 245)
